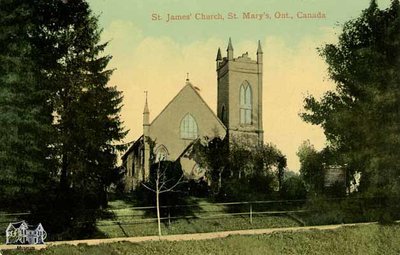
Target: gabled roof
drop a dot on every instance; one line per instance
(17, 225)
(187, 148)
(132, 147)
(36, 227)
(189, 85)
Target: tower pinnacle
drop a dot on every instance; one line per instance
(146, 107)
(219, 57)
(230, 49)
(259, 53)
(259, 50)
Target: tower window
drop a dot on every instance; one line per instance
(245, 103)
(223, 114)
(189, 129)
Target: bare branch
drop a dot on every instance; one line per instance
(171, 188)
(147, 187)
(162, 185)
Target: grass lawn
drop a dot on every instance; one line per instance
(125, 222)
(370, 239)
(183, 226)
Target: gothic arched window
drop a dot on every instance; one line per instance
(161, 153)
(245, 103)
(189, 128)
(223, 113)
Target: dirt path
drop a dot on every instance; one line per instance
(183, 237)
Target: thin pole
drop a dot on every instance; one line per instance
(251, 214)
(169, 217)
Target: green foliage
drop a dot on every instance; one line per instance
(370, 239)
(201, 211)
(24, 126)
(59, 119)
(84, 112)
(86, 109)
(323, 210)
(212, 155)
(311, 167)
(293, 188)
(171, 174)
(237, 171)
(198, 188)
(361, 117)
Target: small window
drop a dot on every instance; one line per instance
(161, 153)
(223, 114)
(189, 128)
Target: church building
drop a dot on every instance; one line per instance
(188, 117)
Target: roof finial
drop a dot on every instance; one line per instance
(146, 107)
(230, 50)
(187, 79)
(259, 50)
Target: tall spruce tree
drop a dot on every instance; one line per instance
(361, 118)
(59, 118)
(85, 108)
(24, 126)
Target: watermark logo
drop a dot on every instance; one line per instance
(22, 233)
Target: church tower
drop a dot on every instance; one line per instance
(239, 104)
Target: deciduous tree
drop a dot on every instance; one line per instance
(361, 117)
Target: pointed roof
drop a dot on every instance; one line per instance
(132, 146)
(230, 47)
(259, 50)
(146, 107)
(219, 56)
(188, 86)
(191, 87)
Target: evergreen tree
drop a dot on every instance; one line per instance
(86, 109)
(24, 126)
(59, 118)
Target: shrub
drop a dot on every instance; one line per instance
(293, 188)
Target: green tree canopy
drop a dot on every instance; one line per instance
(311, 167)
(239, 171)
(361, 117)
